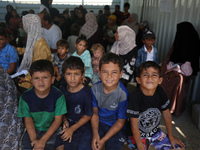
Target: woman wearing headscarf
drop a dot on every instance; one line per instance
(125, 47)
(11, 127)
(132, 22)
(36, 47)
(91, 31)
(181, 62)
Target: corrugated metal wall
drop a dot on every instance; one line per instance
(163, 23)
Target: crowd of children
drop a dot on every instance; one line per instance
(59, 112)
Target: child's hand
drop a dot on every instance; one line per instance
(174, 140)
(84, 79)
(58, 78)
(65, 124)
(38, 144)
(67, 134)
(96, 142)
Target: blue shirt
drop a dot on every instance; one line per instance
(8, 55)
(87, 60)
(111, 106)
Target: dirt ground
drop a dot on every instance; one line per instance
(183, 128)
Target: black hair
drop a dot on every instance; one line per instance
(127, 5)
(3, 25)
(117, 6)
(42, 65)
(73, 62)
(25, 12)
(62, 42)
(111, 57)
(8, 6)
(3, 32)
(75, 28)
(46, 16)
(147, 64)
(82, 38)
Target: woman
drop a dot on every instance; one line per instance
(36, 47)
(91, 31)
(181, 62)
(8, 15)
(125, 47)
(132, 22)
(11, 127)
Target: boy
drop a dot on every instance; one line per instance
(42, 107)
(58, 59)
(146, 105)
(109, 108)
(79, 104)
(97, 51)
(8, 54)
(126, 8)
(147, 52)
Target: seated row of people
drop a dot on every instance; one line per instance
(107, 107)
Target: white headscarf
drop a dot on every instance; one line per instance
(126, 41)
(134, 22)
(90, 26)
(32, 26)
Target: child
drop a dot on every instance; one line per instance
(147, 52)
(109, 107)
(58, 59)
(81, 46)
(126, 8)
(146, 105)
(8, 54)
(42, 107)
(79, 104)
(21, 35)
(97, 50)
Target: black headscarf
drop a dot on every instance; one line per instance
(186, 46)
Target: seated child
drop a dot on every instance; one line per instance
(79, 105)
(8, 54)
(58, 59)
(42, 107)
(84, 54)
(146, 106)
(147, 52)
(110, 101)
(97, 51)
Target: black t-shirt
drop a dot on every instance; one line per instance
(148, 109)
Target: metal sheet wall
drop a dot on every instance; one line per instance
(164, 25)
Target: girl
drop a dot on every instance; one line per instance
(81, 46)
(126, 48)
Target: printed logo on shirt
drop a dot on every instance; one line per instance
(7, 56)
(114, 105)
(122, 140)
(77, 109)
(149, 121)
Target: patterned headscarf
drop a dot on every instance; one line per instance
(90, 27)
(126, 41)
(32, 26)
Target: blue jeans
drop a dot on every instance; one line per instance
(116, 142)
(50, 144)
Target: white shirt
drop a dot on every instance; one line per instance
(149, 54)
(52, 35)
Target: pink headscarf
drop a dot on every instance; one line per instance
(90, 27)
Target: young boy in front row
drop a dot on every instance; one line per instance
(79, 105)
(146, 106)
(42, 107)
(109, 108)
